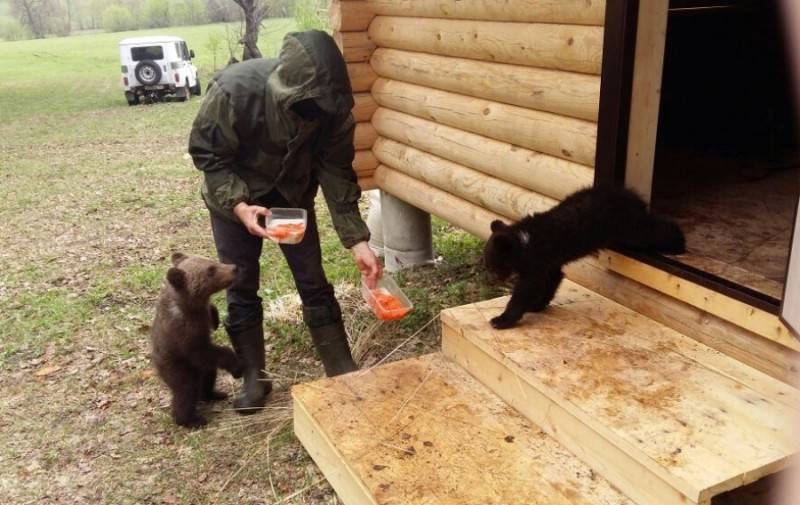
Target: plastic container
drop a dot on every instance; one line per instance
(286, 226)
(387, 300)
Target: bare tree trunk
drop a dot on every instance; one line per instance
(254, 13)
(31, 17)
(69, 16)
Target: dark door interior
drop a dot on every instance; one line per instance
(727, 164)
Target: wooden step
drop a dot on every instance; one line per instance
(423, 431)
(664, 418)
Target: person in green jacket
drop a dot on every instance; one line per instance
(269, 133)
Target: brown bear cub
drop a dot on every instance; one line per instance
(182, 351)
(538, 246)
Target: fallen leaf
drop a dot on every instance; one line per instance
(203, 477)
(44, 372)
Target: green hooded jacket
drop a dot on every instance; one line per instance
(248, 142)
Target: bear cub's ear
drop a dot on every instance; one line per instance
(177, 278)
(177, 258)
(497, 225)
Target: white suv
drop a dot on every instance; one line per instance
(153, 67)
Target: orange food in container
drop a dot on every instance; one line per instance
(386, 299)
(286, 226)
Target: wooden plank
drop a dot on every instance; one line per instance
(538, 172)
(361, 76)
(349, 15)
(422, 431)
(748, 317)
(356, 47)
(641, 386)
(475, 187)
(561, 47)
(602, 455)
(579, 12)
(348, 486)
(567, 138)
(455, 210)
(747, 348)
(790, 308)
(648, 65)
(367, 183)
(364, 136)
(365, 106)
(619, 43)
(565, 93)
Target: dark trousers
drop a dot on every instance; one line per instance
(235, 245)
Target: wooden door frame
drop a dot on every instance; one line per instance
(633, 51)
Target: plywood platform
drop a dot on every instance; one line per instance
(663, 417)
(423, 431)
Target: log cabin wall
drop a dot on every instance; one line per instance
(491, 106)
(349, 21)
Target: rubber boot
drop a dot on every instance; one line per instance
(330, 339)
(249, 347)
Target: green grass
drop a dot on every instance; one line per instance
(94, 197)
(82, 72)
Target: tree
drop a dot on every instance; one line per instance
(221, 11)
(213, 44)
(32, 15)
(188, 12)
(117, 18)
(254, 13)
(156, 13)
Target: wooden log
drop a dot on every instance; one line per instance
(579, 12)
(749, 348)
(538, 172)
(356, 47)
(565, 93)
(361, 76)
(364, 136)
(364, 107)
(568, 138)
(470, 217)
(562, 47)
(349, 15)
(475, 187)
(366, 183)
(365, 161)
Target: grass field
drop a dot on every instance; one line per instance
(94, 196)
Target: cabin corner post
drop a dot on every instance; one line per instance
(407, 235)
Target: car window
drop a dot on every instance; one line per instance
(186, 55)
(147, 53)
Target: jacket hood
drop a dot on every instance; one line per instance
(311, 66)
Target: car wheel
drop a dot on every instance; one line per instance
(132, 98)
(197, 89)
(148, 72)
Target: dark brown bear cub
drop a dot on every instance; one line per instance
(538, 246)
(182, 351)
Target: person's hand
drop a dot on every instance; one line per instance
(367, 263)
(248, 215)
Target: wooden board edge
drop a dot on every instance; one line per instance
(348, 486)
(648, 65)
(729, 309)
(636, 481)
